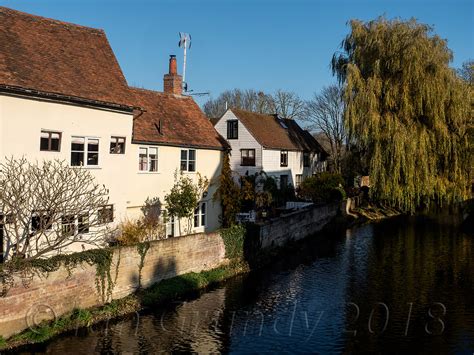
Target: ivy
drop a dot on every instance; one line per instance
(27, 269)
(234, 238)
(142, 249)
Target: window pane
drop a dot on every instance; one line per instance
(83, 224)
(77, 144)
(44, 142)
(191, 166)
(142, 159)
(77, 158)
(121, 146)
(35, 223)
(203, 214)
(153, 165)
(55, 141)
(153, 156)
(93, 145)
(117, 145)
(93, 159)
(251, 153)
(184, 155)
(192, 154)
(106, 214)
(93, 152)
(183, 166)
(68, 225)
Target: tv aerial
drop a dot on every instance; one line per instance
(185, 43)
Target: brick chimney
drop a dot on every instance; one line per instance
(172, 82)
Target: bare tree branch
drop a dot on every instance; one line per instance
(49, 206)
(325, 113)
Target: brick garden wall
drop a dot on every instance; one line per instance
(296, 225)
(60, 292)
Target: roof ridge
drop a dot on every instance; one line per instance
(160, 92)
(51, 20)
(253, 112)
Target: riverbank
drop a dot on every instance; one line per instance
(243, 253)
(158, 294)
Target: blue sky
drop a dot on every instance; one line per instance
(264, 45)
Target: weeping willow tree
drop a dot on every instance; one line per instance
(407, 109)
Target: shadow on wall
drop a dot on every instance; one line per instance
(152, 267)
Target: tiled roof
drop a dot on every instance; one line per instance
(173, 120)
(51, 57)
(274, 133)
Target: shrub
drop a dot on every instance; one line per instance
(131, 233)
(152, 211)
(323, 187)
(229, 194)
(234, 241)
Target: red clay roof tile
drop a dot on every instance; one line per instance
(274, 133)
(173, 120)
(55, 57)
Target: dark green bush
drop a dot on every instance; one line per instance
(324, 187)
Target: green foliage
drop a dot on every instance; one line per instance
(177, 286)
(184, 196)
(142, 249)
(81, 316)
(406, 109)
(100, 258)
(3, 342)
(228, 193)
(323, 187)
(234, 238)
(40, 334)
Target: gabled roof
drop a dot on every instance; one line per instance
(173, 120)
(46, 57)
(274, 133)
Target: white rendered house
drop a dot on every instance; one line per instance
(262, 142)
(63, 96)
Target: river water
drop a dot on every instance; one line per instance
(400, 285)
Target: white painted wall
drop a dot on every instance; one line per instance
(23, 119)
(245, 141)
(267, 160)
(158, 184)
(21, 122)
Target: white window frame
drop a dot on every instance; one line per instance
(114, 140)
(148, 160)
(200, 215)
(86, 151)
(187, 160)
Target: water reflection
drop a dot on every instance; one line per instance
(401, 285)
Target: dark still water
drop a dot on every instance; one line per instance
(401, 285)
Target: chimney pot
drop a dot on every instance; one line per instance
(173, 82)
(173, 68)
